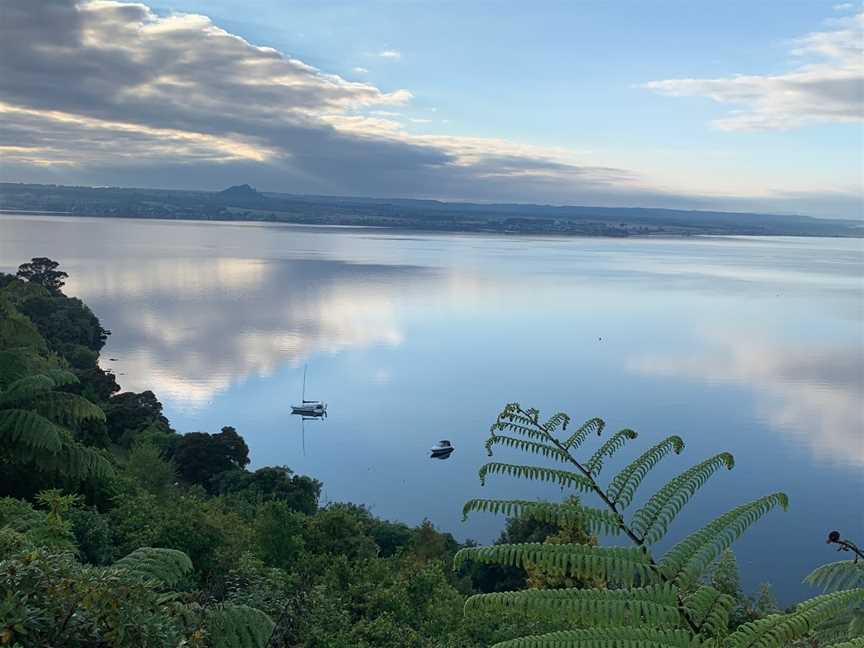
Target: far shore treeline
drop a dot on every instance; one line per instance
(244, 203)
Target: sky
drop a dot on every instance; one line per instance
(747, 106)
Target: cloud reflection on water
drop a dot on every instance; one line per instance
(814, 393)
(190, 328)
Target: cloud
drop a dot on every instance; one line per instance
(392, 54)
(360, 70)
(112, 93)
(829, 89)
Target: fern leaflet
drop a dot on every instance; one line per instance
(612, 445)
(548, 451)
(588, 427)
(604, 638)
(624, 485)
(653, 519)
(689, 558)
(166, 566)
(657, 605)
(781, 629)
(541, 473)
(626, 565)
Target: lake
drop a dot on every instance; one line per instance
(751, 345)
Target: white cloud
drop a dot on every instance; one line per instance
(360, 70)
(390, 54)
(419, 120)
(829, 88)
(843, 6)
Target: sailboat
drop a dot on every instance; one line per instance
(312, 408)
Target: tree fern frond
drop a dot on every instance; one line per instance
(541, 473)
(67, 409)
(593, 520)
(709, 610)
(532, 432)
(555, 421)
(61, 377)
(25, 389)
(604, 638)
(238, 626)
(612, 445)
(652, 520)
(547, 451)
(656, 605)
(852, 643)
(626, 565)
(27, 428)
(843, 574)
(624, 485)
(689, 558)
(588, 427)
(167, 566)
(781, 629)
(843, 626)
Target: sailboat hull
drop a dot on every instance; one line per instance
(310, 410)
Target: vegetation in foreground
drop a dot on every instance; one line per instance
(117, 531)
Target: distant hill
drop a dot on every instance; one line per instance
(244, 203)
(241, 194)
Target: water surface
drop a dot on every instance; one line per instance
(755, 346)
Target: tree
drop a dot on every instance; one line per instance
(271, 483)
(200, 457)
(43, 271)
(647, 602)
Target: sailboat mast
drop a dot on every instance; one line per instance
(305, 367)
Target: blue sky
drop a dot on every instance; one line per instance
(558, 83)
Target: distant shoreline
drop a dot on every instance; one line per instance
(244, 204)
(415, 230)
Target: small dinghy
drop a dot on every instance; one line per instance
(442, 450)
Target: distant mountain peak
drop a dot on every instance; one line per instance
(241, 191)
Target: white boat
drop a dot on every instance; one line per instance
(443, 449)
(312, 408)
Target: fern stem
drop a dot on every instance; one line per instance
(639, 542)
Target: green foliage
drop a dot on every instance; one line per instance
(652, 520)
(238, 626)
(272, 483)
(597, 521)
(602, 637)
(202, 457)
(782, 629)
(168, 567)
(652, 603)
(837, 575)
(147, 467)
(624, 485)
(279, 533)
(35, 417)
(655, 605)
(688, 559)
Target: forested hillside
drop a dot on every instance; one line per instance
(116, 530)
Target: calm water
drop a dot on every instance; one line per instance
(755, 346)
